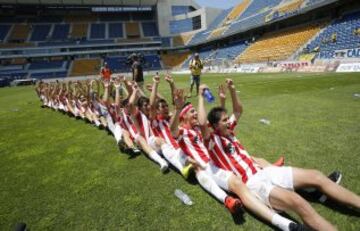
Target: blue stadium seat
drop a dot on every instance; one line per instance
(4, 29)
(61, 32)
(202, 35)
(117, 63)
(97, 31)
(116, 30)
(152, 62)
(149, 29)
(345, 37)
(258, 6)
(46, 65)
(40, 32)
(247, 23)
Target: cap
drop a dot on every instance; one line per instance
(196, 54)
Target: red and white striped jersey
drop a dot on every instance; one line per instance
(114, 112)
(128, 124)
(161, 128)
(144, 125)
(227, 153)
(192, 144)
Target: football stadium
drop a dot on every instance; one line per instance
(179, 115)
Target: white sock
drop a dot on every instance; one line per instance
(172, 155)
(111, 124)
(281, 222)
(210, 186)
(157, 158)
(117, 133)
(97, 123)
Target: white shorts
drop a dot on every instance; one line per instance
(266, 179)
(152, 143)
(220, 176)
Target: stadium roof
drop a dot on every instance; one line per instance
(84, 2)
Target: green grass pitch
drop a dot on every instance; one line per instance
(58, 173)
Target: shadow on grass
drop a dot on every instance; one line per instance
(331, 204)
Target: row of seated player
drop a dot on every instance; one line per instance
(61, 32)
(75, 17)
(340, 34)
(278, 45)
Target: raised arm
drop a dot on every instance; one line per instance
(237, 106)
(117, 84)
(202, 116)
(171, 82)
(106, 92)
(178, 104)
(222, 95)
(156, 81)
(133, 98)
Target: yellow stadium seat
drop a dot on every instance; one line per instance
(85, 67)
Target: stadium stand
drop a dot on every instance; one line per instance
(152, 62)
(182, 39)
(172, 60)
(278, 45)
(345, 37)
(97, 31)
(202, 35)
(117, 63)
(79, 30)
(4, 29)
(149, 29)
(40, 32)
(132, 30)
(181, 26)
(20, 32)
(116, 30)
(257, 7)
(231, 51)
(237, 10)
(38, 65)
(16, 45)
(61, 32)
(85, 67)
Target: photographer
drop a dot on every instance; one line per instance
(195, 67)
(137, 70)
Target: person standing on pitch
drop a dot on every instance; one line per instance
(137, 71)
(195, 67)
(105, 72)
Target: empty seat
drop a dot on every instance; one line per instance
(85, 67)
(132, 30)
(20, 32)
(61, 32)
(149, 29)
(116, 30)
(4, 29)
(40, 32)
(79, 30)
(97, 31)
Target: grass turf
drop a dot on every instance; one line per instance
(58, 173)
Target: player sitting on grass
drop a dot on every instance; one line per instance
(273, 185)
(166, 126)
(192, 142)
